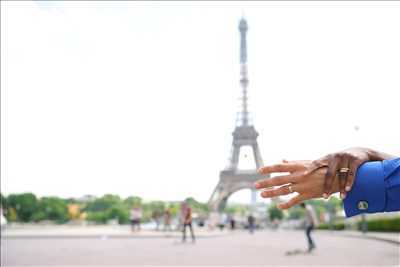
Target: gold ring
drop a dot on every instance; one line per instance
(343, 170)
(290, 189)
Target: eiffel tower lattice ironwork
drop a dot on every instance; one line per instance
(231, 178)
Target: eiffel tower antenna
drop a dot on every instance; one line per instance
(244, 81)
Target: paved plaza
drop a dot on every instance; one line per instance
(119, 247)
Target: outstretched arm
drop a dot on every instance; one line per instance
(376, 187)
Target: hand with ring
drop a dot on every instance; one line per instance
(304, 178)
(344, 165)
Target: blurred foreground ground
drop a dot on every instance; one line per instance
(115, 245)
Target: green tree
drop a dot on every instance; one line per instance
(106, 208)
(52, 208)
(3, 201)
(103, 203)
(296, 212)
(25, 205)
(150, 207)
(132, 200)
(196, 205)
(120, 213)
(275, 213)
(174, 207)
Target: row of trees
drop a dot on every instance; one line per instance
(29, 208)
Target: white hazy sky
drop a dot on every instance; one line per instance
(140, 98)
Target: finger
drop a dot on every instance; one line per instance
(344, 163)
(353, 165)
(282, 167)
(293, 201)
(330, 176)
(280, 191)
(276, 181)
(319, 163)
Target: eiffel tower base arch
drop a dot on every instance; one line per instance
(230, 182)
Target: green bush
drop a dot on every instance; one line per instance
(338, 226)
(98, 217)
(382, 225)
(335, 226)
(323, 226)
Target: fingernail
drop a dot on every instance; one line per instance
(257, 185)
(325, 195)
(348, 188)
(342, 195)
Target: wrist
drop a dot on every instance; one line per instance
(377, 156)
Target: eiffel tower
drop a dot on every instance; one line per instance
(231, 179)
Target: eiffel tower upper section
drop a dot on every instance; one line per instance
(244, 133)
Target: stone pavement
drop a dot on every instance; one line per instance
(280, 247)
(95, 231)
(387, 237)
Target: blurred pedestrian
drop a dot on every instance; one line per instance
(232, 221)
(136, 217)
(167, 219)
(310, 223)
(222, 221)
(156, 216)
(251, 220)
(187, 221)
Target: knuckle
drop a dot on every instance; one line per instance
(329, 174)
(352, 157)
(338, 156)
(347, 155)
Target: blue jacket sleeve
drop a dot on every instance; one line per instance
(376, 188)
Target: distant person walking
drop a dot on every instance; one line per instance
(251, 220)
(222, 221)
(156, 215)
(311, 222)
(232, 221)
(167, 219)
(136, 217)
(187, 221)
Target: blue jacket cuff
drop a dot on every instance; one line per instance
(368, 194)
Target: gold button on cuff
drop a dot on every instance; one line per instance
(362, 205)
